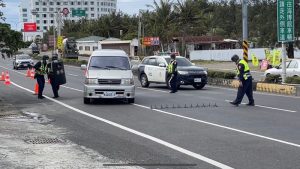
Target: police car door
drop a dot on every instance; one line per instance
(292, 68)
(161, 70)
(150, 69)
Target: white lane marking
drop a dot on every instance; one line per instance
(72, 88)
(149, 137)
(217, 125)
(153, 89)
(221, 126)
(73, 75)
(273, 108)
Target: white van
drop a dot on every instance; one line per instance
(108, 76)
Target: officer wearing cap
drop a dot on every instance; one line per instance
(52, 75)
(172, 72)
(40, 70)
(245, 81)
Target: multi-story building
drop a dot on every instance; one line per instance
(45, 17)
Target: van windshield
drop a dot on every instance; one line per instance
(109, 62)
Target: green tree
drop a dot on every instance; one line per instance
(2, 4)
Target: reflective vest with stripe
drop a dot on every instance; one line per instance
(43, 70)
(246, 69)
(171, 67)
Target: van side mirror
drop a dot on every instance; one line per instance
(162, 65)
(83, 67)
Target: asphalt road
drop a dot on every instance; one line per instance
(210, 134)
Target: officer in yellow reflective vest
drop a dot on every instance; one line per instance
(172, 73)
(245, 79)
(40, 70)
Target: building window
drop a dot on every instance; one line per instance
(45, 27)
(78, 3)
(37, 21)
(44, 9)
(51, 3)
(25, 15)
(52, 15)
(45, 15)
(92, 9)
(37, 9)
(72, 3)
(98, 3)
(87, 48)
(44, 3)
(24, 9)
(92, 3)
(65, 3)
(36, 3)
(85, 3)
(38, 28)
(86, 9)
(51, 21)
(57, 3)
(37, 15)
(25, 20)
(92, 15)
(45, 21)
(51, 9)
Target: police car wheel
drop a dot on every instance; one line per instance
(131, 100)
(144, 81)
(86, 100)
(198, 86)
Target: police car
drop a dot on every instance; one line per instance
(153, 69)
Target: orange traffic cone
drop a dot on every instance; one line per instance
(2, 77)
(7, 79)
(36, 89)
(28, 74)
(32, 74)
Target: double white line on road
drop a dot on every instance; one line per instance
(149, 137)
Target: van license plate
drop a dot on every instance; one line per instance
(110, 94)
(197, 80)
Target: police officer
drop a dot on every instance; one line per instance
(40, 70)
(172, 71)
(52, 68)
(245, 80)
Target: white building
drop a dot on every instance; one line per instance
(46, 8)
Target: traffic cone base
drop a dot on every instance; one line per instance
(2, 76)
(7, 79)
(36, 89)
(28, 74)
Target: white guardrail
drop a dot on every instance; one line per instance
(225, 55)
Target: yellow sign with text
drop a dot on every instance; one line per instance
(60, 42)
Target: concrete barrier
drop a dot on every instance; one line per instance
(284, 89)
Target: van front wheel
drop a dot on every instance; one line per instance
(86, 100)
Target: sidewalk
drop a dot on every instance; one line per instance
(30, 140)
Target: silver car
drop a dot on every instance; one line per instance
(292, 69)
(108, 76)
(22, 61)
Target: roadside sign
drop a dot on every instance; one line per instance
(285, 20)
(51, 40)
(60, 42)
(151, 41)
(29, 27)
(78, 12)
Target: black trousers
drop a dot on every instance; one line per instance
(245, 89)
(55, 87)
(41, 82)
(173, 82)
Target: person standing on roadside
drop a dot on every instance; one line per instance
(40, 71)
(172, 71)
(52, 76)
(245, 81)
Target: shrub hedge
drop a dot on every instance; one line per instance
(293, 80)
(220, 74)
(273, 79)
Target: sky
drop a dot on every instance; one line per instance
(11, 11)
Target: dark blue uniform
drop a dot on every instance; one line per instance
(172, 70)
(245, 87)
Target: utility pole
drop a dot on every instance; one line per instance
(245, 30)
(139, 33)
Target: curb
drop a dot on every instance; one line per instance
(284, 89)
